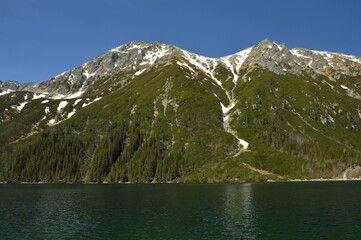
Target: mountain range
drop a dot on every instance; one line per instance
(152, 112)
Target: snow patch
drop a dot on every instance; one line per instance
(226, 119)
(140, 72)
(71, 114)
(135, 46)
(243, 143)
(235, 62)
(96, 99)
(207, 65)
(36, 96)
(87, 74)
(74, 95)
(225, 110)
(45, 101)
(76, 102)
(58, 96)
(61, 74)
(20, 107)
(228, 63)
(152, 56)
(70, 96)
(297, 53)
(324, 54)
(47, 110)
(6, 92)
(185, 66)
(352, 58)
(133, 109)
(62, 105)
(241, 57)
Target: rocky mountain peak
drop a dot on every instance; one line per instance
(137, 57)
(155, 107)
(16, 86)
(271, 55)
(329, 64)
(269, 44)
(9, 84)
(281, 60)
(142, 47)
(131, 56)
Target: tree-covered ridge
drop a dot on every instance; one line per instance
(166, 124)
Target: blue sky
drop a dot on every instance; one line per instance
(42, 38)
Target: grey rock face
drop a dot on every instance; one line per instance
(273, 56)
(125, 58)
(281, 60)
(16, 86)
(329, 64)
(128, 57)
(10, 84)
(138, 56)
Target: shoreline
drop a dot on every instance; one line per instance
(127, 183)
(318, 180)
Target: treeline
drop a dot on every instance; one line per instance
(54, 155)
(123, 154)
(128, 154)
(322, 157)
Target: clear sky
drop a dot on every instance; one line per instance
(42, 38)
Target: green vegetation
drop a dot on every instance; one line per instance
(164, 126)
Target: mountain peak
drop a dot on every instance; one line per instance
(139, 42)
(269, 44)
(141, 56)
(141, 46)
(156, 107)
(266, 41)
(145, 43)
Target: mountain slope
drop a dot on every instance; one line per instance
(147, 112)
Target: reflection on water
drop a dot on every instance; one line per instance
(239, 212)
(184, 211)
(42, 213)
(59, 211)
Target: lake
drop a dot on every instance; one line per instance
(290, 210)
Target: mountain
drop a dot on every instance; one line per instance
(152, 112)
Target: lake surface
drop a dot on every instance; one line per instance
(307, 210)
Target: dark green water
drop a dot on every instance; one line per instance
(310, 210)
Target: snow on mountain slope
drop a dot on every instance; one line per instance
(234, 62)
(139, 56)
(258, 106)
(323, 62)
(6, 91)
(128, 57)
(279, 59)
